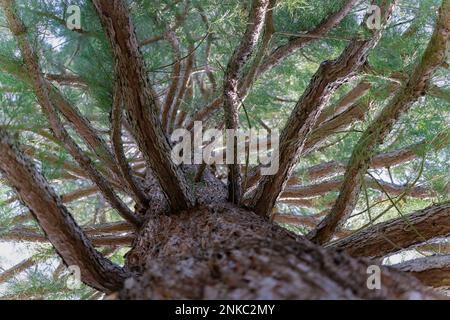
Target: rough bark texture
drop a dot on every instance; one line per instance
(324, 187)
(222, 252)
(100, 240)
(363, 152)
(330, 76)
(68, 239)
(415, 228)
(140, 102)
(346, 101)
(431, 271)
(248, 80)
(116, 141)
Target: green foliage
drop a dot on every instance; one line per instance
(87, 55)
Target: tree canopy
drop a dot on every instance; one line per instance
(363, 116)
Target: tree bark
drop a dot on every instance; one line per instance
(68, 239)
(431, 271)
(346, 101)
(324, 187)
(41, 91)
(116, 141)
(222, 252)
(182, 89)
(17, 269)
(98, 240)
(282, 52)
(175, 83)
(140, 100)
(398, 234)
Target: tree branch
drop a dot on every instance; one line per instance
(176, 74)
(364, 151)
(417, 227)
(181, 90)
(139, 98)
(383, 160)
(178, 22)
(231, 90)
(42, 94)
(431, 271)
(282, 52)
(329, 77)
(66, 236)
(324, 187)
(116, 141)
(18, 268)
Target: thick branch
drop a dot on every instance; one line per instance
(18, 268)
(345, 102)
(327, 186)
(432, 271)
(413, 229)
(58, 224)
(100, 240)
(116, 141)
(329, 77)
(176, 74)
(321, 132)
(248, 80)
(66, 79)
(209, 40)
(181, 90)
(42, 94)
(139, 98)
(296, 44)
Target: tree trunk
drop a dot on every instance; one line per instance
(219, 251)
